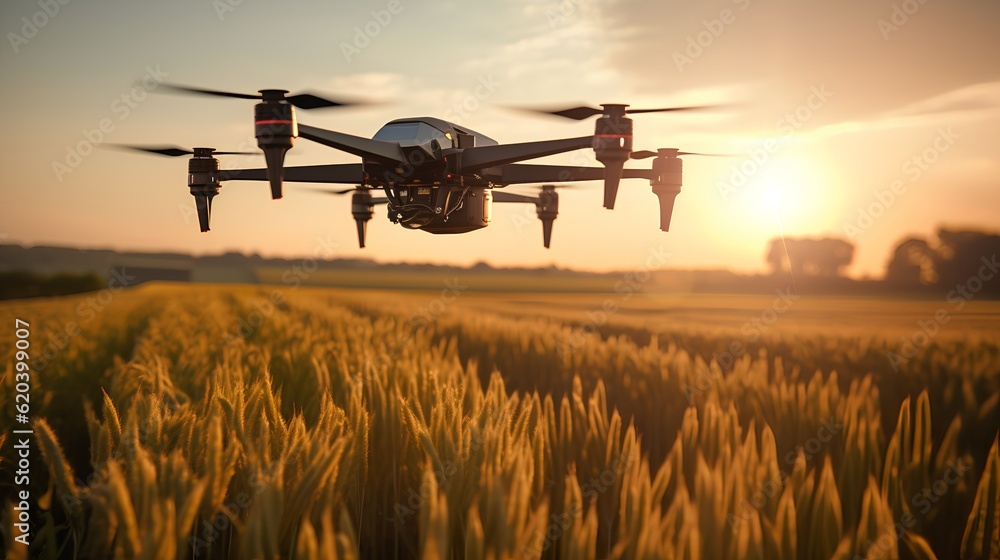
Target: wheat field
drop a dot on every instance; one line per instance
(209, 422)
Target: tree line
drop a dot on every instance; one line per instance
(953, 258)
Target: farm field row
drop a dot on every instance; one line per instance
(258, 421)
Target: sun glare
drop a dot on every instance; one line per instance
(772, 196)
(794, 189)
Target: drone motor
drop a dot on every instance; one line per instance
(547, 209)
(613, 146)
(666, 183)
(275, 128)
(203, 180)
(362, 208)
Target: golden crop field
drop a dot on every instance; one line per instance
(181, 421)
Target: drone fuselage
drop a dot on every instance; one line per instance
(428, 190)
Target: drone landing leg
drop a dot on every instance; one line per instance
(667, 185)
(547, 231)
(361, 209)
(275, 157)
(612, 178)
(203, 203)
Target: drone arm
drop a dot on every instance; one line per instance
(482, 157)
(499, 196)
(388, 152)
(347, 173)
(527, 173)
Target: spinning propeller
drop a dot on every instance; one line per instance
(203, 173)
(275, 125)
(301, 100)
(671, 152)
(174, 151)
(584, 112)
(613, 138)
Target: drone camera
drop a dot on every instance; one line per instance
(667, 168)
(203, 180)
(613, 146)
(275, 128)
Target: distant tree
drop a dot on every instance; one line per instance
(823, 258)
(913, 263)
(958, 258)
(962, 256)
(24, 284)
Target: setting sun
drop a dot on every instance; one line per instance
(796, 191)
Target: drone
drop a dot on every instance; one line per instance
(434, 175)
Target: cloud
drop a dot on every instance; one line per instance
(379, 85)
(786, 46)
(977, 102)
(974, 99)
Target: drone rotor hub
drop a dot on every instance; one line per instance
(273, 94)
(614, 109)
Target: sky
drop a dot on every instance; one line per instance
(870, 121)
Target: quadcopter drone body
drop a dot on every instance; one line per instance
(436, 176)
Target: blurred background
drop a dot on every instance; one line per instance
(871, 123)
